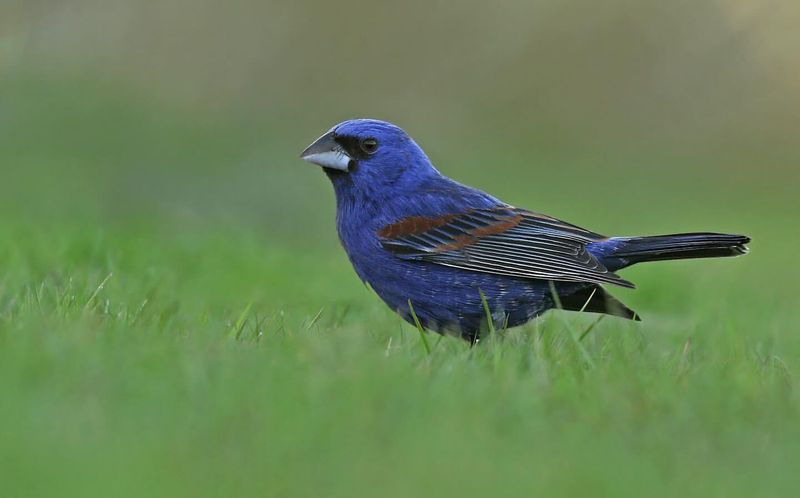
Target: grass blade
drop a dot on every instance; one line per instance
(419, 327)
(236, 331)
(489, 320)
(96, 292)
(591, 327)
(315, 319)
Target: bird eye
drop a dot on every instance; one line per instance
(369, 145)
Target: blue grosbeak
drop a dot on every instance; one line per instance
(415, 235)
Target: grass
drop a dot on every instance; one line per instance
(140, 362)
(145, 351)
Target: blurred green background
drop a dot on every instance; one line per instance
(194, 110)
(153, 146)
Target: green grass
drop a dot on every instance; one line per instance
(156, 342)
(136, 362)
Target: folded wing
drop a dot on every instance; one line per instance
(504, 241)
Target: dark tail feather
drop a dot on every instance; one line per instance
(595, 299)
(679, 246)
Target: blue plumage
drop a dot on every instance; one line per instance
(413, 234)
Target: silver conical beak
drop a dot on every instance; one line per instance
(326, 152)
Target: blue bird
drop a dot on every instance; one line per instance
(413, 234)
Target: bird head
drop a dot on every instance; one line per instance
(368, 154)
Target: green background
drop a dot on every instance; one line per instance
(177, 317)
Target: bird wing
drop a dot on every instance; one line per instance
(504, 241)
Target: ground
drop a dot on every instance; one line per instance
(153, 343)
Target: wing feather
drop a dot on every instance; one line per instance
(504, 241)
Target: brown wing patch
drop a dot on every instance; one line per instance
(502, 241)
(473, 235)
(413, 225)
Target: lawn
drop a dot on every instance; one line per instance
(167, 329)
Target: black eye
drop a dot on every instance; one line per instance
(369, 145)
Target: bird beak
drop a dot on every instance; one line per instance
(326, 152)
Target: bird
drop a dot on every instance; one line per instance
(461, 261)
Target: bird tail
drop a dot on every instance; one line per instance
(632, 250)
